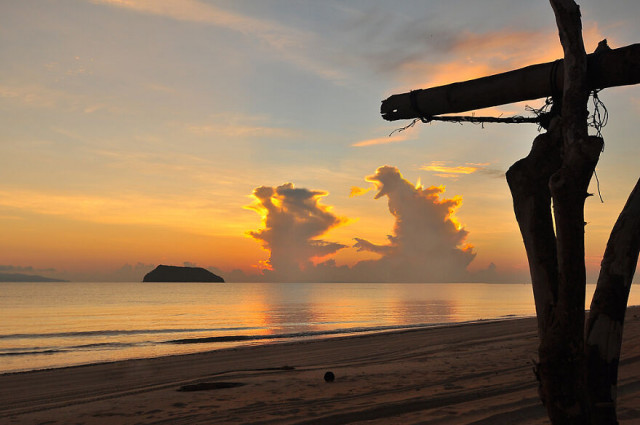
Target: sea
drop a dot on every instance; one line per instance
(61, 324)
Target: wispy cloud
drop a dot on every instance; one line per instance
(454, 171)
(180, 212)
(442, 167)
(239, 126)
(40, 96)
(291, 44)
(474, 55)
(197, 11)
(380, 141)
(24, 269)
(35, 96)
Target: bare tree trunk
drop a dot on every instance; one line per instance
(608, 308)
(556, 265)
(563, 160)
(528, 181)
(562, 368)
(577, 380)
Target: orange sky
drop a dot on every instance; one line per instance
(134, 133)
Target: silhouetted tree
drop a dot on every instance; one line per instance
(577, 368)
(577, 381)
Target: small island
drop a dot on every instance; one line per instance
(164, 273)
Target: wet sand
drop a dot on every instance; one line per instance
(465, 374)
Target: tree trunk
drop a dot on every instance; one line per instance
(577, 380)
(528, 181)
(608, 308)
(563, 160)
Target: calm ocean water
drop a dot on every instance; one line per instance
(44, 325)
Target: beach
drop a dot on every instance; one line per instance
(478, 373)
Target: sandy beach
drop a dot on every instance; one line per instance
(465, 374)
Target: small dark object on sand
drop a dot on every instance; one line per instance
(205, 386)
(329, 377)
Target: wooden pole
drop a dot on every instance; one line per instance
(608, 68)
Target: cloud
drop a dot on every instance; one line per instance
(428, 243)
(129, 273)
(358, 191)
(125, 273)
(38, 97)
(239, 126)
(291, 45)
(471, 55)
(293, 220)
(197, 11)
(21, 269)
(441, 167)
(380, 141)
(444, 170)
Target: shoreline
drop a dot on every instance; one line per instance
(244, 341)
(461, 373)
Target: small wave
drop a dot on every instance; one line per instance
(80, 334)
(237, 338)
(6, 352)
(31, 352)
(105, 345)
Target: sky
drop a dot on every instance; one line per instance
(245, 137)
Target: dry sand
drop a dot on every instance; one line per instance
(467, 374)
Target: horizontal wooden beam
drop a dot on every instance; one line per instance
(608, 68)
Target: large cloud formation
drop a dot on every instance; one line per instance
(294, 219)
(427, 245)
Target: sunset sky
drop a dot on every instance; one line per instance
(246, 135)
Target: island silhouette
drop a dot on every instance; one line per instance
(164, 273)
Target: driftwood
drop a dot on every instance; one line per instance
(608, 68)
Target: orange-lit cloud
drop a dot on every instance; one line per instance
(445, 170)
(441, 167)
(428, 242)
(475, 55)
(293, 220)
(358, 191)
(380, 141)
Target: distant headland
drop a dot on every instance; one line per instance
(19, 277)
(164, 273)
